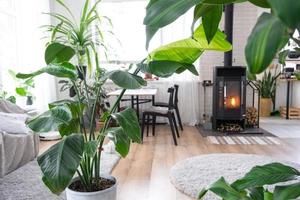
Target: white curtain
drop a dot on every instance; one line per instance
(28, 48)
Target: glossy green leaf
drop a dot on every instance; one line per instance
(160, 13)
(121, 140)
(211, 21)
(21, 91)
(266, 39)
(266, 175)
(287, 11)
(51, 119)
(268, 195)
(222, 1)
(128, 121)
(261, 3)
(257, 193)
(91, 147)
(287, 192)
(60, 162)
(190, 49)
(200, 10)
(63, 70)
(282, 56)
(126, 80)
(251, 77)
(225, 191)
(202, 193)
(165, 68)
(58, 53)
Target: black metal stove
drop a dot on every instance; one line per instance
(229, 99)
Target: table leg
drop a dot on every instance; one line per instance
(288, 100)
(132, 101)
(138, 107)
(153, 100)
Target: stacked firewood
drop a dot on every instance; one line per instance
(251, 116)
(230, 127)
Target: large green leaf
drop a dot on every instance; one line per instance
(126, 80)
(58, 53)
(188, 50)
(91, 147)
(261, 3)
(160, 13)
(266, 175)
(60, 162)
(287, 192)
(51, 119)
(224, 190)
(63, 70)
(200, 10)
(266, 39)
(121, 140)
(165, 68)
(128, 121)
(211, 21)
(21, 91)
(218, 43)
(287, 11)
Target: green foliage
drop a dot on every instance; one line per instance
(211, 21)
(5, 96)
(253, 185)
(267, 85)
(60, 162)
(23, 87)
(264, 42)
(58, 53)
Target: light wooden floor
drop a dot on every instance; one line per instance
(144, 174)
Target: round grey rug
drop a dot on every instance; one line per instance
(191, 175)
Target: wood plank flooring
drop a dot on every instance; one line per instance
(144, 174)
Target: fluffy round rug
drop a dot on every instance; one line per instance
(193, 174)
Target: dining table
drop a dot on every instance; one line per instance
(137, 97)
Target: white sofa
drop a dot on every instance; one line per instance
(16, 149)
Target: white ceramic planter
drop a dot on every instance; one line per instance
(108, 194)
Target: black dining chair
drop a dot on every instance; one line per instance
(164, 104)
(150, 115)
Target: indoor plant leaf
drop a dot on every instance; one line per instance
(266, 175)
(51, 119)
(126, 80)
(62, 70)
(287, 11)
(58, 53)
(21, 91)
(267, 37)
(91, 147)
(224, 190)
(128, 121)
(257, 193)
(121, 140)
(160, 13)
(261, 3)
(285, 192)
(60, 162)
(165, 68)
(218, 43)
(211, 21)
(188, 50)
(200, 10)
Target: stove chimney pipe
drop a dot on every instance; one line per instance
(229, 9)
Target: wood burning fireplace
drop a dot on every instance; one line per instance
(229, 99)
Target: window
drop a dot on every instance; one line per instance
(127, 19)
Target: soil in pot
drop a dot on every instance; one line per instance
(103, 184)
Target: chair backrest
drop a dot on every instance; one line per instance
(171, 98)
(176, 94)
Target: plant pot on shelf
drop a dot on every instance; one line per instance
(265, 107)
(29, 101)
(106, 194)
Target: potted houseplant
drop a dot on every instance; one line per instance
(23, 88)
(79, 152)
(267, 87)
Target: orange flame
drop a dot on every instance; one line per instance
(233, 102)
